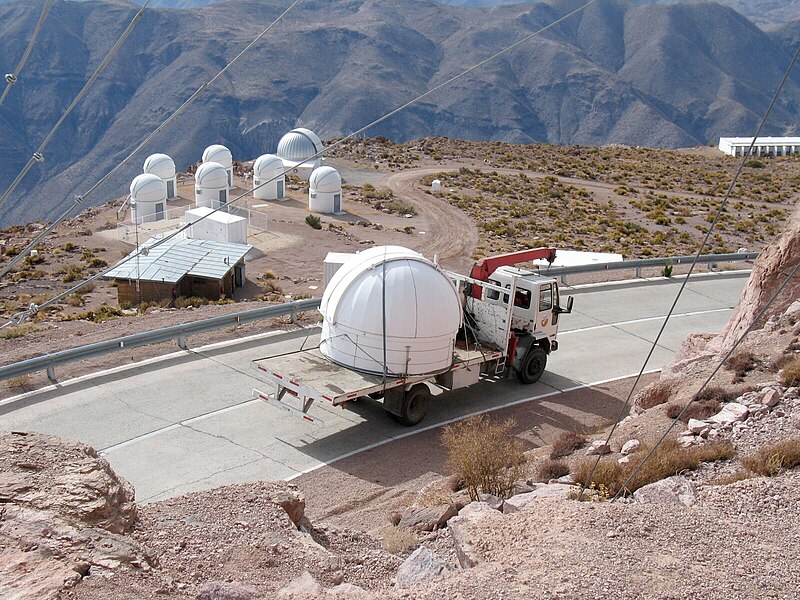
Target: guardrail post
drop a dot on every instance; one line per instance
(294, 317)
(51, 373)
(638, 271)
(182, 342)
(564, 279)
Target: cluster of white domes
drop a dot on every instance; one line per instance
(379, 304)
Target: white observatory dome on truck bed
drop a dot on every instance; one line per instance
(422, 316)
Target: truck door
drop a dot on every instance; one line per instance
(546, 315)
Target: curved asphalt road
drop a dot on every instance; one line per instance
(187, 422)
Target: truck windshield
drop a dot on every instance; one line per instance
(546, 297)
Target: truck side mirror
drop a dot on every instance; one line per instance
(561, 310)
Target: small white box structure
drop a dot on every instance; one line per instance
(331, 264)
(436, 185)
(218, 227)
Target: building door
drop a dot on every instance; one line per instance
(223, 197)
(280, 188)
(159, 211)
(238, 275)
(337, 203)
(170, 189)
(230, 178)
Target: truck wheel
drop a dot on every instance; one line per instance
(533, 365)
(415, 405)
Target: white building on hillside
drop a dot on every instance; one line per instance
(211, 185)
(220, 155)
(269, 183)
(296, 149)
(163, 166)
(148, 198)
(764, 146)
(325, 191)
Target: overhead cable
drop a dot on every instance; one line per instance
(720, 211)
(13, 77)
(79, 199)
(38, 156)
(20, 317)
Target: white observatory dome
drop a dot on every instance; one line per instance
(267, 166)
(211, 175)
(148, 188)
(325, 180)
(299, 145)
(422, 316)
(218, 154)
(160, 165)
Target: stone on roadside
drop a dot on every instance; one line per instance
(672, 490)
(770, 397)
(428, 518)
(598, 447)
(545, 490)
(467, 550)
(630, 447)
(624, 460)
(696, 426)
(226, 590)
(302, 586)
(348, 590)
(294, 503)
(493, 501)
(423, 564)
(730, 413)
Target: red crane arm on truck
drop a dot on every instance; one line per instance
(484, 268)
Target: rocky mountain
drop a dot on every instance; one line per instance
(654, 75)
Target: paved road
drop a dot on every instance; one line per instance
(188, 422)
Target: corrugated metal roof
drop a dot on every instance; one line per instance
(174, 259)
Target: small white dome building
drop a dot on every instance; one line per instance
(220, 155)
(148, 198)
(296, 148)
(268, 174)
(419, 334)
(436, 185)
(163, 166)
(325, 191)
(211, 185)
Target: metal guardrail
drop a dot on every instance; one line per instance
(49, 362)
(643, 263)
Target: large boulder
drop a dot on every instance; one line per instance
(547, 490)
(300, 587)
(226, 590)
(421, 565)
(428, 518)
(672, 490)
(465, 545)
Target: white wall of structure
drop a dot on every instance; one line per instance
(148, 198)
(163, 166)
(211, 185)
(217, 226)
(269, 183)
(764, 146)
(220, 155)
(325, 191)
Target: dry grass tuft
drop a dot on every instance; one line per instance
(670, 459)
(771, 459)
(697, 410)
(739, 475)
(484, 455)
(552, 469)
(718, 393)
(398, 540)
(790, 374)
(741, 364)
(566, 443)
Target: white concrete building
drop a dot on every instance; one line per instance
(211, 185)
(269, 182)
(764, 146)
(325, 191)
(216, 226)
(417, 333)
(163, 166)
(148, 198)
(296, 149)
(220, 155)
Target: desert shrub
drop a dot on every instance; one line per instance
(790, 374)
(73, 273)
(400, 207)
(484, 455)
(668, 460)
(755, 164)
(552, 469)
(398, 540)
(739, 475)
(314, 221)
(194, 302)
(771, 459)
(97, 263)
(20, 382)
(12, 333)
(700, 410)
(654, 394)
(75, 300)
(101, 315)
(741, 363)
(69, 247)
(268, 274)
(717, 393)
(666, 271)
(566, 443)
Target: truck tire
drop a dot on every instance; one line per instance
(415, 405)
(533, 365)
